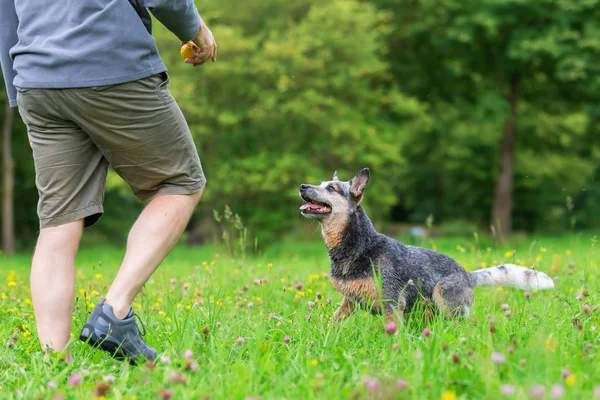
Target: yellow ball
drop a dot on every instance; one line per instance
(189, 50)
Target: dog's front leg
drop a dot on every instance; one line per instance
(344, 311)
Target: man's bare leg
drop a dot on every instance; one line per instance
(53, 283)
(151, 238)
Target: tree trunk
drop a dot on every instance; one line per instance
(8, 214)
(503, 195)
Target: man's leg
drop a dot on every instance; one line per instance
(52, 284)
(152, 237)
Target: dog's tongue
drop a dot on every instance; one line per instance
(309, 206)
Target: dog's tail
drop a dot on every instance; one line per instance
(511, 275)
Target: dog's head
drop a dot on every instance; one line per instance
(334, 197)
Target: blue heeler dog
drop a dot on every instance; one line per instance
(357, 250)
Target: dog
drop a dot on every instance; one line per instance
(359, 254)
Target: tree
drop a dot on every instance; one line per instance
(497, 62)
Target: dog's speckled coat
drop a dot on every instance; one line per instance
(356, 250)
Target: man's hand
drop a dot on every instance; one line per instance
(208, 47)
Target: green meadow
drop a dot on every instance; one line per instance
(258, 328)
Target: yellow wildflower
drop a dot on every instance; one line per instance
(448, 395)
(571, 380)
(12, 283)
(314, 362)
(98, 276)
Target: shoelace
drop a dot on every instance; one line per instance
(141, 323)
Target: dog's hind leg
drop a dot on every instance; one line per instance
(453, 295)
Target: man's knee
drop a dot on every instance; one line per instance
(61, 237)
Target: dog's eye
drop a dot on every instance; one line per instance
(331, 188)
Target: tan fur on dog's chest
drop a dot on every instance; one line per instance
(362, 290)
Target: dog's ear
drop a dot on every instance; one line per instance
(335, 176)
(359, 183)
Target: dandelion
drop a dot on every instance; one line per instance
(390, 328)
(448, 395)
(75, 379)
(314, 362)
(286, 339)
(571, 380)
(527, 295)
(557, 391)
(426, 332)
(498, 358)
(240, 341)
(507, 390)
(188, 354)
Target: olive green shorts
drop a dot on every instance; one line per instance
(136, 128)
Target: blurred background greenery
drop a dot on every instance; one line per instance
(470, 114)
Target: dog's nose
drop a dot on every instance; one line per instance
(304, 186)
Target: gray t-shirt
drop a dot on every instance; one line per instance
(83, 43)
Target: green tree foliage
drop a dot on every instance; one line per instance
(304, 95)
(415, 89)
(461, 59)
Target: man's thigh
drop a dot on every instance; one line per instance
(140, 129)
(70, 171)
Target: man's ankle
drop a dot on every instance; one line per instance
(119, 309)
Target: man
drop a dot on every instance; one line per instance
(92, 89)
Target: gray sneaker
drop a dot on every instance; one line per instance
(120, 337)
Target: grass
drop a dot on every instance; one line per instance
(232, 319)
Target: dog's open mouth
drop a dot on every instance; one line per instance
(315, 208)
